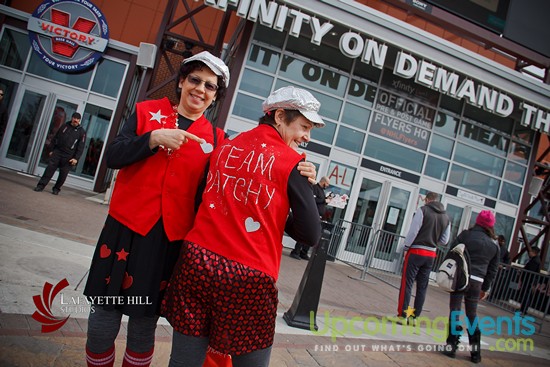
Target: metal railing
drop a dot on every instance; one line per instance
(518, 290)
(374, 253)
(349, 242)
(384, 262)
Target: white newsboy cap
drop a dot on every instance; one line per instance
(292, 98)
(214, 63)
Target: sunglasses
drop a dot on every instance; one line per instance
(195, 80)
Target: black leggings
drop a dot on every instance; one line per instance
(103, 327)
(471, 299)
(190, 351)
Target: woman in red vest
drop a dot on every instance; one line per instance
(161, 153)
(222, 293)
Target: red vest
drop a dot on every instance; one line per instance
(162, 185)
(245, 202)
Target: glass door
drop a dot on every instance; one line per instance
(392, 231)
(32, 126)
(462, 215)
(377, 219)
(24, 129)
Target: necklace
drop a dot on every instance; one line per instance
(174, 118)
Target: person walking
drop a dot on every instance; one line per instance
(65, 149)
(300, 250)
(222, 293)
(430, 228)
(484, 257)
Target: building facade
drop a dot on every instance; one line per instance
(406, 111)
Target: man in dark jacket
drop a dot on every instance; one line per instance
(430, 227)
(504, 253)
(65, 151)
(528, 279)
(300, 250)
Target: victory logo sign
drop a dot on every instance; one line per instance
(68, 35)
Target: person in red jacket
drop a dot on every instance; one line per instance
(222, 293)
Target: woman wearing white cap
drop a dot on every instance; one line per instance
(222, 293)
(161, 152)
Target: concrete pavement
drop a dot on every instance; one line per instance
(47, 238)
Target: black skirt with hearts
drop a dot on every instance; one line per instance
(129, 272)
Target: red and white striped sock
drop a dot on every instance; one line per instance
(106, 359)
(133, 359)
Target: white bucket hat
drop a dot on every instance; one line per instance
(214, 63)
(292, 98)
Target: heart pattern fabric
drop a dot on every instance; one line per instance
(233, 304)
(104, 251)
(128, 281)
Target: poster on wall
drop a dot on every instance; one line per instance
(404, 114)
(68, 35)
(337, 200)
(340, 180)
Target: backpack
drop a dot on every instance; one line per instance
(453, 274)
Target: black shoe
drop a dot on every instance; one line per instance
(449, 351)
(475, 343)
(294, 255)
(304, 256)
(55, 191)
(39, 188)
(452, 343)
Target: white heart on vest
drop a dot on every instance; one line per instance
(207, 147)
(251, 225)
